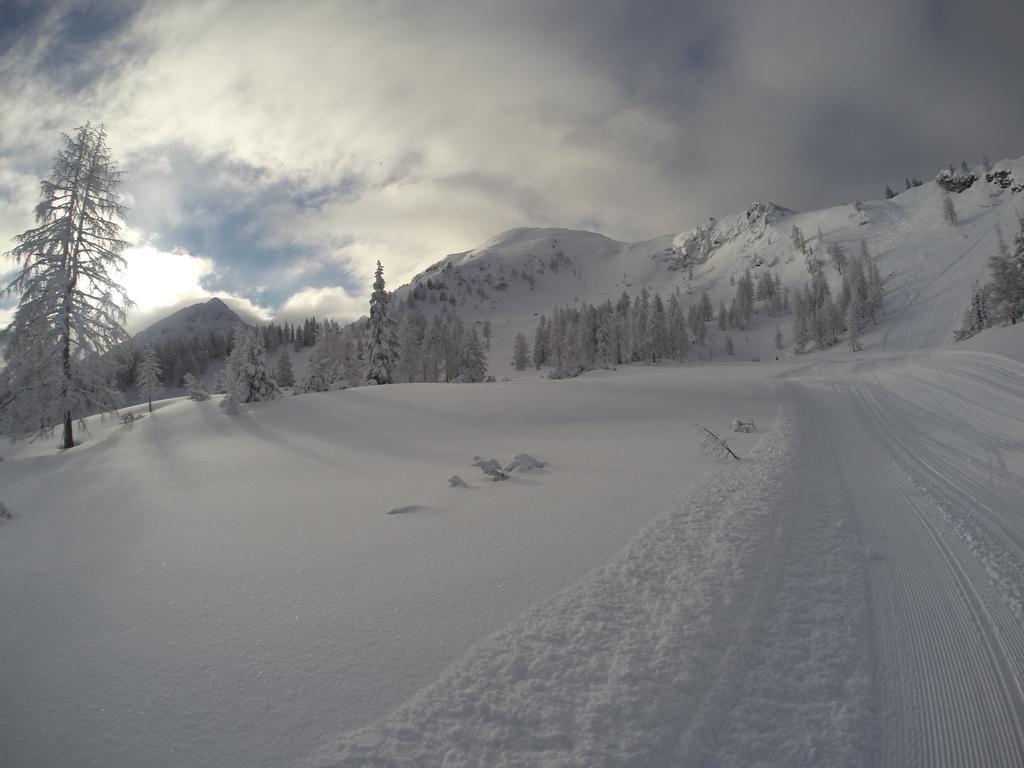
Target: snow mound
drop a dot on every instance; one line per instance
(524, 462)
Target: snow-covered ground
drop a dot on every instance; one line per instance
(201, 590)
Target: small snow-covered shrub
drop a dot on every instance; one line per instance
(194, 387)
(5, 513)
(739, 425)
(457, 482)
(490, 467)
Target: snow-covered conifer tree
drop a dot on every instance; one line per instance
(383, 346)
(473, 359)
(801, 321)
(639, 317)
(147, 376)
(411, 331)
(706, 310)
(854, 317)
(695, 321)
(657, 333)
(71, 311)
(799, 243)
(837, 253)
(432, 352)
(284, 374)
(520, 352)
(679, 342)
(247, 376)
(330, 362)
(540, 343)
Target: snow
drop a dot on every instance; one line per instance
(644, 660)
(311, 581)
(205, 590)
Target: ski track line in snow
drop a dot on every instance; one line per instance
(904, 335)
(950, 644)
(732, 631)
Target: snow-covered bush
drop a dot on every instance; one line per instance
(5, 513)
(490, 467)
(195, 389)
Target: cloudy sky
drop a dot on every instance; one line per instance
(274, 150)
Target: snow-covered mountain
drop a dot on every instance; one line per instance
(213, 315)
(929, 265)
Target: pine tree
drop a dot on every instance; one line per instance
(71, 312)
(432, 353)
(520, 352)
(147, 377)
(638, 331)
(412, 329)
(247, 377)
(472, 359)
(1006, 288)
(854, 317)
(799, 243)
(540, 343)
(889, 194)
(729, 349)
(706, 310)
(382, 347)
(657, 332)
(679, 343)
(284, 374)
(977, 317)
(331, 363)
(801, 322)
(779, 341)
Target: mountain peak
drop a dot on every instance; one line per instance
(211, 315)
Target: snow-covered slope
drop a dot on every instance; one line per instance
(213, 315)
(203, 590)
(929, 265)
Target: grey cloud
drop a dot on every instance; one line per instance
(318, 137)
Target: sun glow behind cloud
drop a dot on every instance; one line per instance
(160, 282)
